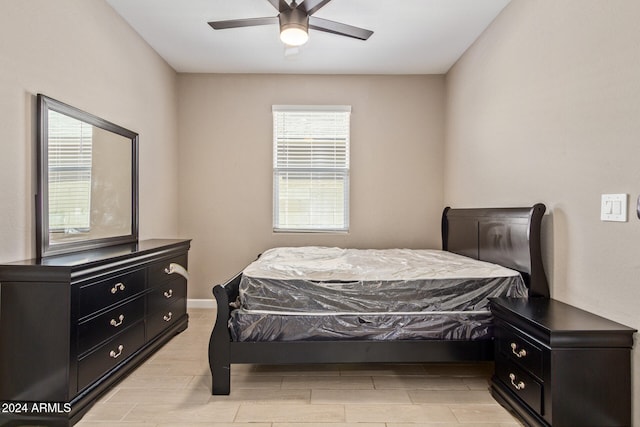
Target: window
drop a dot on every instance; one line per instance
(70, 144)
(311, 168)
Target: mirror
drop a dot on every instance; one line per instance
(87, 181)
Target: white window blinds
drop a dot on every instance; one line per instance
(311, 168)
(70, 146)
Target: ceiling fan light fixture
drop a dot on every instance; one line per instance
(294, 27)
(294, 36)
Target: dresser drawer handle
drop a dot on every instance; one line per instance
(519, 354)
(167, 317)
(168, 294)
(519, 385)
(117, 287)
(115, 355)
(175, 268)
(118, 322)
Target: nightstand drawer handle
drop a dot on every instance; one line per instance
(518, 386)
(115, 355)
(167, 317)
(117, 287)
(116, 323)
(521, 353)
(168, 294)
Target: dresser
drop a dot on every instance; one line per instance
(558, 365)
(73, 325)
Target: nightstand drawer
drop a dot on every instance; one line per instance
(161, 271)
(520, 383)
(107, 356)
(166, 294)
(101, 328)
(520, 350)
(161, 320)
(98, 295)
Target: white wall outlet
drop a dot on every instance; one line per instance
(613, 207)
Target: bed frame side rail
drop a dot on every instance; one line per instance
(357, 351)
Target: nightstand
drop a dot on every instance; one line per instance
(559, 365)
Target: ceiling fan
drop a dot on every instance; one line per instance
(295, 20)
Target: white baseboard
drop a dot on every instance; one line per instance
(201, 303)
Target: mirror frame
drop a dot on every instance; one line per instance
(44, 248)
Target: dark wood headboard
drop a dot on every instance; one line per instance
(506, 236)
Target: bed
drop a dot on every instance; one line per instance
(331, 305)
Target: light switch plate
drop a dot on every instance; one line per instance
(613, 207)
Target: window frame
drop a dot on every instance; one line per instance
(337, 169)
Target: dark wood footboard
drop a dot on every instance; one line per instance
(220, 341)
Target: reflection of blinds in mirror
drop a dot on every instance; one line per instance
(70, 142)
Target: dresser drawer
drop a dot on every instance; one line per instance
(110, 354)
(166, 294)
(161, 271)
(520, 350)
(99, 295)
(520, 382)
(161, 320)
(95, 330)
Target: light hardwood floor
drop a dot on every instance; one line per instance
(173, 388)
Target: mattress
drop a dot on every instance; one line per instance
(320, 293)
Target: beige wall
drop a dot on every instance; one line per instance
(225, 131)
(546, 107)
(82, 53)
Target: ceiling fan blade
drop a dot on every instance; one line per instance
(249, 22)
(338, 28)
(280, 5)
(312, 6)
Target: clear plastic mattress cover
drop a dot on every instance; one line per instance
(319, 293)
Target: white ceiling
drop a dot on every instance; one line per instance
(410, 36)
